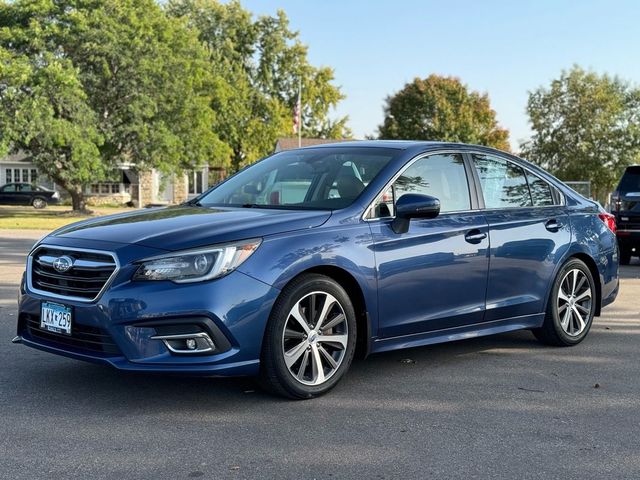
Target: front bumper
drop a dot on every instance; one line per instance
(128, 313)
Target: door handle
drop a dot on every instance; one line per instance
(475, 236)
(552, 225)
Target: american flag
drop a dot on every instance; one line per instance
(297, 114)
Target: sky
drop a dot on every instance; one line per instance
(504, 48)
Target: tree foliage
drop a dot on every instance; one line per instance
(86, 84)
(258, 63)
(442, 108)
(585, 126)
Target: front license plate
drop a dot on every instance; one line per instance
(55, 318)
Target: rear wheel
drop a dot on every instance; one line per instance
(310, 338)
(571, 307)
(39, 202)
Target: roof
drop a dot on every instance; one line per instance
(19, 157)
(289, 143)
(397, 144)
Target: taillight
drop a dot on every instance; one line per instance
(609, 220)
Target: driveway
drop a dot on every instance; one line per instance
(494, 407)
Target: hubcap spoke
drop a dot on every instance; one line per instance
(292, 356)
(562, 295)
(334, 339)
(582, 309)
(327, 356)
(574, 282)
(295, 313)
(583, 295)
(318, 368)
(329, 302)
(579, 319)
(332, 323)
(288, 333)
(303, 364)
(565, 320)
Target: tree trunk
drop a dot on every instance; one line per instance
(76, 193)
(77, 200)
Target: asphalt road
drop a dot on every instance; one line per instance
(496, 407)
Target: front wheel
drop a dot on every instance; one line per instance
(39, 202)
(571, 306)
(310, 339)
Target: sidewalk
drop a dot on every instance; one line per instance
(14, 246)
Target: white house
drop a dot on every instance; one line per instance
(138, 188)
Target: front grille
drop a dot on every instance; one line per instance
(89, 339)
(87, 277)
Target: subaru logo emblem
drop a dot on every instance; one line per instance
(62, 264)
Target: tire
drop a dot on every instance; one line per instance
(625, 255)
(292, 346)
(39, 203)
(561, 325)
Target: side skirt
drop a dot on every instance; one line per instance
(458, 333)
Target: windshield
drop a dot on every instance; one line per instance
(315, 179)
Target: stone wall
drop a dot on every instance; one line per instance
(145, 180)
(180, 188)
(113, 199)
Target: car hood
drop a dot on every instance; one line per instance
(182, 227)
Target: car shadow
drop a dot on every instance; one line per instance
(106, 388)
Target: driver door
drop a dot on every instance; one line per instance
(434, 276)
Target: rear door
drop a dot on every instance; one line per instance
(25, 194)
(9, 194)
(434, 276)
(529, 232)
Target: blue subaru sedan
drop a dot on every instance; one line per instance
(299, 262)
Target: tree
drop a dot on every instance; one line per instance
(259, 63)
(442, 108)
(86, 84)
(585, 127)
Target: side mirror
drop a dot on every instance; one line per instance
(414, 205)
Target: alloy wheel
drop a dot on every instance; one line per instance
(574, 302)
(38, 203)
(315, 338)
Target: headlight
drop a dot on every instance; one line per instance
(197, 265)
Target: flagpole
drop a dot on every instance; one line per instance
(300, 112)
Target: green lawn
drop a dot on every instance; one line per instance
(48, 218)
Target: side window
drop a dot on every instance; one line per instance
(8, 188)
(441, 176)
(504, 184)
(24, 188)
(541, 192)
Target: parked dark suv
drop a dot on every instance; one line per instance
(625, 205)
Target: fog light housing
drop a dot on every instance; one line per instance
(187, 343)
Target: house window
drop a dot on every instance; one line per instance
(104, 188)
(34, 175)
(16, 175)
(9, 176)
(196, 182)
